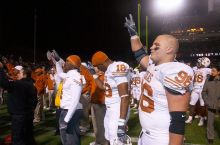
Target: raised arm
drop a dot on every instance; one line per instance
(136, 45)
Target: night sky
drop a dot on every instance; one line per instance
(73, 27)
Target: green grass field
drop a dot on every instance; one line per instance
(44, 132)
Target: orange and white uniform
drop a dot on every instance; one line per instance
(116, 73)
(136, 83)
(199, 81)
(153, 110)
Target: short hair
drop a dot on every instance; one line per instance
(173, 42)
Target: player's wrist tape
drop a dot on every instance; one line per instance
(134, 37)
(139, 54)
(95, 76)
(121, 122)
(125, 95)
(177, 123)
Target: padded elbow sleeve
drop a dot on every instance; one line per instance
(177, 123)
(139, 54)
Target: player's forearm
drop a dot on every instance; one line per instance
(124, 107)
(136, 43)
(99, 83)
(175, 139)
(139, 52)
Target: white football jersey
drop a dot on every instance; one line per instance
(136, 83)
(153, 110)
(200, 75)
(116, 73)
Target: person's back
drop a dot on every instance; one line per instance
(114, 75)
(200, 77)
(21, 97)
(21, 94)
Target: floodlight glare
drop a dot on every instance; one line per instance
(167, 6)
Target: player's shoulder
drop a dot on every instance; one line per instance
(118, 68)
(74, 74)
(175, 67)
(176, 76)
(207, 69)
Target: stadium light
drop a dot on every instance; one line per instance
(167, 6)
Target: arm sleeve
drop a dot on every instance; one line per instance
(59, 69)
(76, 89)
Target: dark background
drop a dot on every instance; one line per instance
(77, 26)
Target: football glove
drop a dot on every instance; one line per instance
(121, 128)
(130, 25)
(125, 140)
(91, 68)
(49, 55)
(55, 55)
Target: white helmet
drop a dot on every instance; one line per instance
(205, 61)
(136, 71)
(125, 140)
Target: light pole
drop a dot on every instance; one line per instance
(35, 33)
(146, 32)
(139, 18)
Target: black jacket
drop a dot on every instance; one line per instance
(22, 95)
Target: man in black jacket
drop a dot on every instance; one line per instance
(22, 98)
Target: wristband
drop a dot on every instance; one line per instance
(121, 122)
(125, 95)
(134, 37)
(139, 54)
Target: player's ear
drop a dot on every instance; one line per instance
(170, 50)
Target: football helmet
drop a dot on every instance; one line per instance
(205, 61)
(199, 60)
(124, 140)
(136, 71)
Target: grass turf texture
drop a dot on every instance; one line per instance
(44, 131)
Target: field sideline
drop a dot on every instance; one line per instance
(44, 132)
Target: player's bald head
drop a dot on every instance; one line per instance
(171, 42)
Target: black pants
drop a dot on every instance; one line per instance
(22, 129)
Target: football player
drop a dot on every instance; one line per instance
(200, 72)
(166, 89)
(136, 83)
(116, 95)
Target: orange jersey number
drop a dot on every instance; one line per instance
(147, 104)
(198, 78)
(136, 81)
(121, 68)
(183, 78)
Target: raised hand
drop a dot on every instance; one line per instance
(55, 55)
(49, 55)
(130, 25)
(91, 68)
